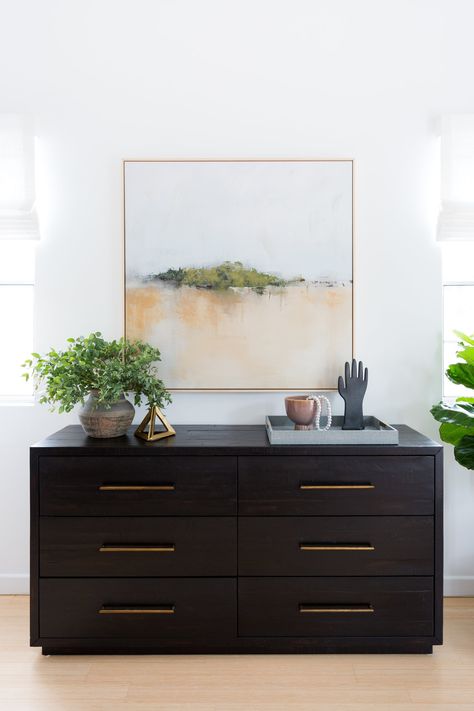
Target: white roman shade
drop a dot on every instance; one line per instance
(18, 218)
(456, 218)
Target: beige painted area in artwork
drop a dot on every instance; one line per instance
(296, 337)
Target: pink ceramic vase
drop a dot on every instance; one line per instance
(301, 411)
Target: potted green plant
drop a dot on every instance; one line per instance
(103, 372)
(457, 419)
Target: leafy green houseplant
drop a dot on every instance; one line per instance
(103, 371)
(457, 420)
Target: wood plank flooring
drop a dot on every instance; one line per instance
(443, 681)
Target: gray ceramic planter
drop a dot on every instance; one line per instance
(100, 422)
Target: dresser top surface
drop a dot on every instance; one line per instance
(222, 439)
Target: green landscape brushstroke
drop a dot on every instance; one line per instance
(221, 277)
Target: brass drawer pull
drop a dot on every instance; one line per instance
(137, 487)
(142, 610)
(305, 486)
(336, 547)
(344, 609)
(134, 548)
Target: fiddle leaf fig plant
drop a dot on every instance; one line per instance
(65, 378)
(457, 420)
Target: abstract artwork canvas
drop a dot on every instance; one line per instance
(240, 272)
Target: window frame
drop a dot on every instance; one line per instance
(28, 281)
(449, 338)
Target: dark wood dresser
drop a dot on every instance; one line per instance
(216, 541)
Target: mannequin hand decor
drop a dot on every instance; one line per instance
(352, 392)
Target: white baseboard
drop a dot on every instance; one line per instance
(459, 586)
(454, 585)
(14, 584)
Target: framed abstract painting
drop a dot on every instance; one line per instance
(241, 272)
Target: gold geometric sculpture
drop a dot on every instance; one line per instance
(149, 434)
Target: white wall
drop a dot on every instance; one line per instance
(243, 78)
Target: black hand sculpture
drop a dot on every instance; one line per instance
(353, 394)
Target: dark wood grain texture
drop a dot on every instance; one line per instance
(71, 486)
(438, 549)
(201, 607)
(104, 546)
(209, 440)
(34, 547)
(395, 485)
(240, 645)
(231, 504)
(378, 545)
(273, 606)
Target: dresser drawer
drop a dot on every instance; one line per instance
(141, 546)
(336, 545)
(138, 486)
(140, 608)
(335, 607)
(336, 485)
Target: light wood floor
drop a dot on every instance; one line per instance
(441, 682)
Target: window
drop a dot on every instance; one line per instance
(458, 304)
(456, 231)
(18, 230)
(17, 260)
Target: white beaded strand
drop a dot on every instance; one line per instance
(324, 399)
(319, 400)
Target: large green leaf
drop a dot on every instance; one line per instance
(461, 374)
(452, 434)
(464, 337)
(467, 354)
(464, 452)
(453, 415)
(457, 421)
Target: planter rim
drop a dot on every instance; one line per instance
(94, 392)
